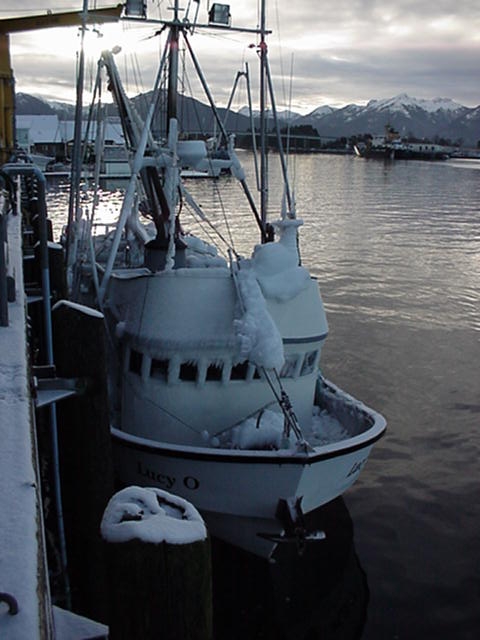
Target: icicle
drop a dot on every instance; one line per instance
(171, 185)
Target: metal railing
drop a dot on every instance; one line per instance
(7, 291)
(3, 273)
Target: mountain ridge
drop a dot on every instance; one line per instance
(437, 118)
(411, 117)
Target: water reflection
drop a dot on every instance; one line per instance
(394, 243)
(397, 254)
(322, 594)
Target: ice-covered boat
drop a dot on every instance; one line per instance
(216, 393)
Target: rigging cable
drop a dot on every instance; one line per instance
(222, 207)
(225, 217)
(201, 217)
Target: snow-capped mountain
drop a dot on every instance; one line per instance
(28, 105)
(319, 112)
(435, 118)
(405, 104)
(285, 115)
(439, 117)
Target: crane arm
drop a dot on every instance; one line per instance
(67, 19)
(7, 83)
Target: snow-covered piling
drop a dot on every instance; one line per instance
(159, 567)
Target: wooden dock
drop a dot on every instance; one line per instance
(26, 608)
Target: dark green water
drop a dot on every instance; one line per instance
(396, 250)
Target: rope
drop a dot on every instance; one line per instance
(201, 217)
(171, 415)
(285, 405)
(225, 218)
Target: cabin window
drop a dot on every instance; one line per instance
(290, 366)
(188, 371)
(159, 369)
(135, 364)
(214, 372)
(239, 371)
(309, 363)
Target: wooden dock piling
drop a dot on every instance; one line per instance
(159, 567)
(85, 455)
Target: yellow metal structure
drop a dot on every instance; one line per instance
(7, 82)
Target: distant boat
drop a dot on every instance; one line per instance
(114, 161)
(216, 164)
(38, 159)
(41, 161)
(211, 164)
(391, 147)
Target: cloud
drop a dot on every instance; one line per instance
(435, 72)
(341, 52)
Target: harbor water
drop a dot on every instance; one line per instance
(396, 250)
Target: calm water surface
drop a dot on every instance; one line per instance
(396, 250)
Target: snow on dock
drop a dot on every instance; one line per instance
(26, 609)
(22, 557)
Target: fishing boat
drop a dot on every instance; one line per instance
(216, 391)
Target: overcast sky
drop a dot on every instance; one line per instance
(336, 52)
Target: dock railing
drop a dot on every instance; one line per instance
(7, 206)
(3, 271)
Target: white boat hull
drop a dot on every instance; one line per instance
(238, 491)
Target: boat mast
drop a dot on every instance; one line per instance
(173, 67)
(263, 145)
(76, 170)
